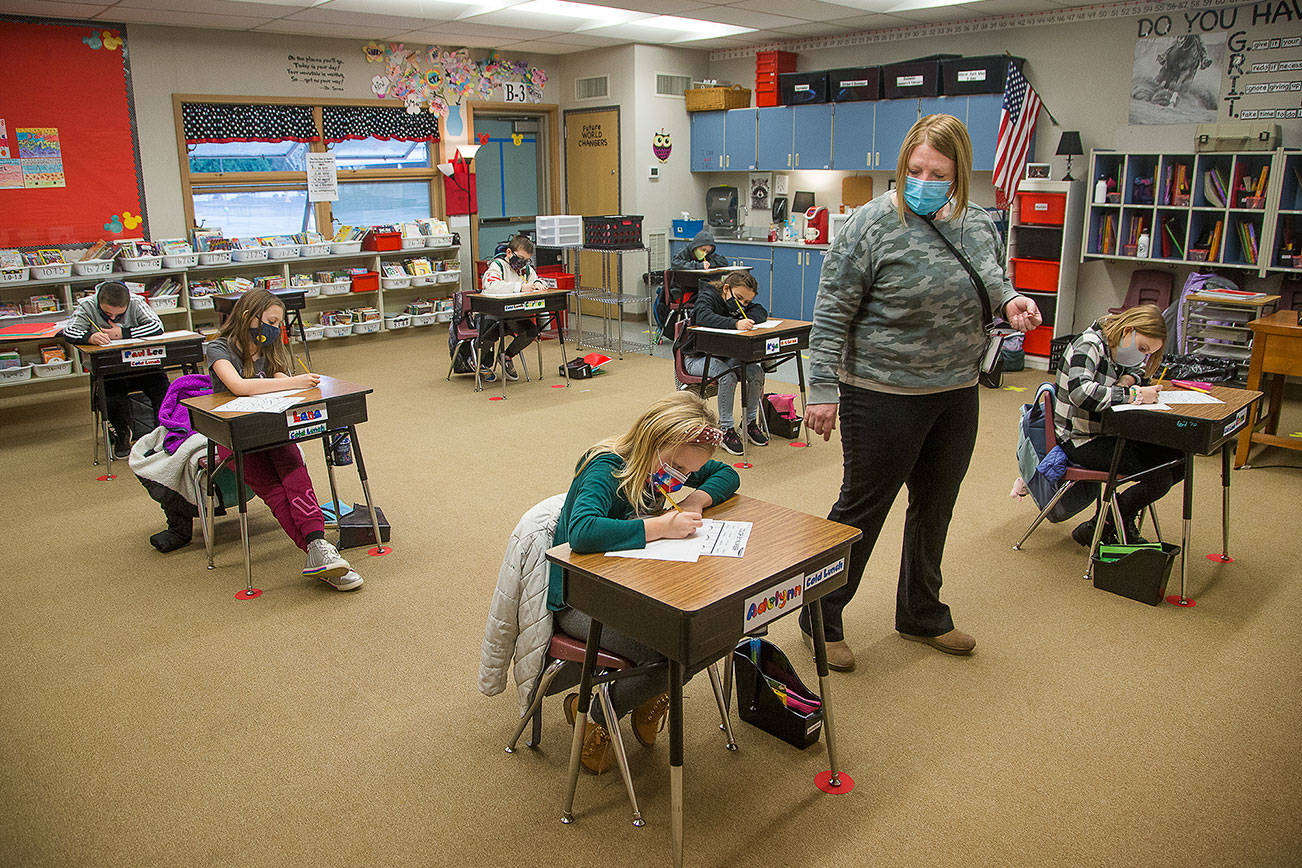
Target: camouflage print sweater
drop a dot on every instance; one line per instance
(896, 312)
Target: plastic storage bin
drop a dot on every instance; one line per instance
(397, 321)
(1047, 209)
(314, 333)
(166, 303)
(366, 328)
(339, 331)
(920, 77)
(137, 263)
(1035, 275)
(180, 260)
(338, 287)
(52, 369)
(621, 232)
(451, 276)
(423, 319)
(215, 257)
(395, 282)
(768, 66)
(802, 88)
(46, 272)
(321, 248)
(854, 83)
(15, 374)
(201, 302)
(92, 267)
(249, 254)
(560, 230)
(282, 251)
(687, 229)
(1038, 341)
(14, 275)
(354, 246)
(1141, 575)
(382, 241)
(984, 74)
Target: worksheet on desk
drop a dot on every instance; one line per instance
(718, 538)
(769, 323)
(268, 402)
(1182, 396)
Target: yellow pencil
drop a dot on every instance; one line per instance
(739, 307)
(1196, 389)
(1162, 375)
(670, 499)
(300, 364)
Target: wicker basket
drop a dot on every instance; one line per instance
(713, 99)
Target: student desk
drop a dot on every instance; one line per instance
(696, 613)
(181, 349)
(681, 284)
(1276, 353)
(333, 406)
(775, 344)
(524, 305)
(295, 299)
(1194, 429)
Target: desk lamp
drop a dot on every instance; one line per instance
(1069, 146)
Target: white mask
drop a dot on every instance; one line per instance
(1128, 354)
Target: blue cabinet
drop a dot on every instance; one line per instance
(812, 136)
(707, 141)
(894, 119)
(811, 272)
(788, 280)
(773, 138)
(852, 138)
(983, 127)
(739, 139)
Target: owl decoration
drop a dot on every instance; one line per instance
(661, 145)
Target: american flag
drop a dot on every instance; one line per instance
(1016, 126)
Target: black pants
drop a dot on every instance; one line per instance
(118, 408)
(524, 332)
(889, 441)
(1096, 454)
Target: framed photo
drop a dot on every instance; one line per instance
(1038, 170)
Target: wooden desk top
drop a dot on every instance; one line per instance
(780, 539)
(722, 269)
(537, 293)
(1281, 322)
(1235, 400)
(142, 342)
(1241, 302)
(328, 388)
(788, 325)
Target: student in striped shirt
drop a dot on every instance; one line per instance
(1112, 362)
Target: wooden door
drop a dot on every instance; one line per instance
(592, 180)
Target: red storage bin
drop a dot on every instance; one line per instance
(1046, 208)
(1038, 342)
(774, 62)
(382, 241)
(1035, 275)
(367, 281)
(767, 96)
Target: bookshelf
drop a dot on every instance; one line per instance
(1238, 209)
(1044, 232)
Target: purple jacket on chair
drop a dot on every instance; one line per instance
(173, 415)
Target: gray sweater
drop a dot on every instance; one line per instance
(137, 321)
(895, 309)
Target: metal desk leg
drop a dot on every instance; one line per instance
(565, 362)
(326, 446)
(804, 401)
(211, 489)
(581, 718)
(244, 523)
(1185, 529)
(501, 357)
(366, 493)
(705, 377)
(302, 334)
(824, 690)
(538, 341)
(1109, 492)
(1225, 503)
(725, 723)
(676, 760)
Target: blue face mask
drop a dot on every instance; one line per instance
(925, 198)
(265, 334)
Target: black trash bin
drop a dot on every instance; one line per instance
(1141, 575)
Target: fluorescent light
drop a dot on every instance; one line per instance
(922, 4)
(597, 16)
(671, 28)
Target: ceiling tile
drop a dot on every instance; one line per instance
(262, 12)
(325, 15)
(807, 10)
(461, 41)
(935, 15)
(453, 30)
(872, 21)
(542, 46)
(52, 10)
(507, 19)
(316, 28)
(659, 7)
(173, 18)
(1008, 7)
(746, 17)
(585, 39)
(815, 28)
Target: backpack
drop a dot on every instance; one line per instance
(1031, 450)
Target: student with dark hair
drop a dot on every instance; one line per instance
(509, 273)
(114, 314)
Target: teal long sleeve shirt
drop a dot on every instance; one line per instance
(597, 518)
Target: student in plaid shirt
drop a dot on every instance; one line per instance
(1110, 363)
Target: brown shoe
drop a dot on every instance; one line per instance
(953, 642)
(649, 719)
(839, 655)
(596, 756)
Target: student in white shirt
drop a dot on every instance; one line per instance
(508, 273)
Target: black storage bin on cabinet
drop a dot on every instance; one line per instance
(854, 83)
(802, 88)
(617, 232)
(920, 77)
(985, 74)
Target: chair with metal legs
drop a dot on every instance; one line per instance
(566, 650)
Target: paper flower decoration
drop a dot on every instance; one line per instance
(112, 39)
(374, 52)
(131, 221)
(380, 85)
(397, 53)
(413, 103)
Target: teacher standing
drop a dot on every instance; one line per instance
(894, 353)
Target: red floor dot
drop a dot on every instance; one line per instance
(249, 594)
(822, 780)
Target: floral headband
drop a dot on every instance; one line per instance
(708, 436)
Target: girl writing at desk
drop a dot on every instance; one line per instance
(616, 502)
(1110, 363)
(249, 357)
(508, 274)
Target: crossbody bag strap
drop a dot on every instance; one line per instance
(987, 317)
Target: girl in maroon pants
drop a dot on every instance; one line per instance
(250, 358)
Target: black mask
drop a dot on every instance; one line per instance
(518, 263)
(265, 334)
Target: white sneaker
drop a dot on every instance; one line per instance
(347, 582)
(324, 561)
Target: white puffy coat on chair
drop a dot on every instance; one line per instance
(519, 626)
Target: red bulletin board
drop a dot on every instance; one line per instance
(75, 78)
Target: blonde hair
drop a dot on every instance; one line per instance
(948, 135)
(672, 421)
(1145, 319)
(247, 312)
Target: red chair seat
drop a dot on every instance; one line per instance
(572, 650)
(1080, 474)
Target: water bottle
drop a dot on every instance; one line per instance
(1141, 246)
(341, 451)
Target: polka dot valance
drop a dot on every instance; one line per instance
(343, 122)
(227, 122)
